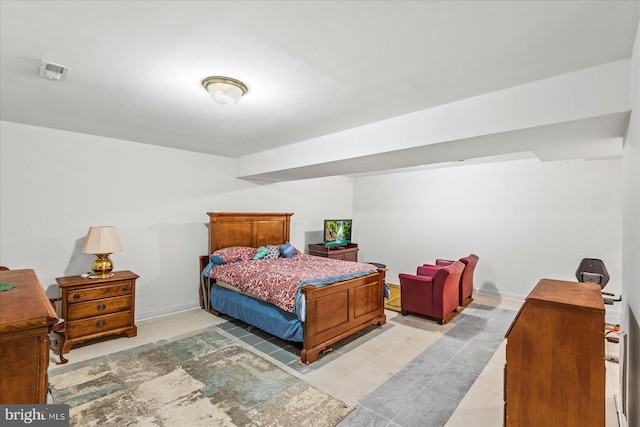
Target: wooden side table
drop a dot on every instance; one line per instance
(96, 308)
(347, 253)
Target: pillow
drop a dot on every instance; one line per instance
(273, 252)
(216, 260)
(287, 250)
(236, 253)
(262, 252)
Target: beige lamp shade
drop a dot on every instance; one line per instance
(102, 240)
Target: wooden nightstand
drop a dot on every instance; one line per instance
(96, 308)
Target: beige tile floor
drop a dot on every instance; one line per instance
(355, 374)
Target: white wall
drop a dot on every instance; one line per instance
(631, 242)
(55, 184)
(525, 219)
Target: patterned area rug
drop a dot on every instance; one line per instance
(205, 379)
(393, 303)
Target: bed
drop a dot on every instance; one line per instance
(331, 312)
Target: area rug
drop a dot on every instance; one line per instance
(393, 303)
(205, 379)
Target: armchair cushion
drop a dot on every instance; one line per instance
(427, 270)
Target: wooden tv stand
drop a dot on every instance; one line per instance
(347, 253)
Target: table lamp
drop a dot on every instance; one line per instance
(102, 242)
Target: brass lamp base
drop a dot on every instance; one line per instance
(101, 267)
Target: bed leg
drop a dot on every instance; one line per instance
(309, 356)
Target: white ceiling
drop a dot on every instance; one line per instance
(312, 67)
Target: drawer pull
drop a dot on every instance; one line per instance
(76, 296)
(125, 289)
(101, 323)
(101, 307)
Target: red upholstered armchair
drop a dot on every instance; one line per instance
(466, 281)
(433, 291)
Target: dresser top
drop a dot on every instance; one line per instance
(577, 295)
(79, 280)
(26, 305)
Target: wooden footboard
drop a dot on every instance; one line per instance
(336, 311)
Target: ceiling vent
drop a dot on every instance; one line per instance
(52, 71)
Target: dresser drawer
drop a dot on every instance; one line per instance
(88, 294)
(98, 307)
(99, 324)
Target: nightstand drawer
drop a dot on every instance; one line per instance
(88, 294)
(99, 307)
(99, 324)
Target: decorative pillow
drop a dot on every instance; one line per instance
(216, 260)
(236, 253)
(262, 252)
(287, 250)
(273, 252)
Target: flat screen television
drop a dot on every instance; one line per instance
(337, 232)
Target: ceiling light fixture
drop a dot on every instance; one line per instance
(224, 90)
(53, 71)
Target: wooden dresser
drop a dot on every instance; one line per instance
(555, 370)
(26, 319)
(348, 253)
(95, 308)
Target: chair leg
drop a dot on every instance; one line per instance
(62, 333)
(63, 360)
(404, 312)
(59, 328)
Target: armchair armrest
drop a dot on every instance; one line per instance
(414, 279)
(416, 293)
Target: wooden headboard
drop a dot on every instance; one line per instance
(247, 229)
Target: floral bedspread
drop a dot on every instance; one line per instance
(277, 281)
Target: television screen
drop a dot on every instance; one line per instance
(337, 232)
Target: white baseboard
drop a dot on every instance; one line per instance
(622, 420)
(166, 311)
(498, 294)
(612, 316)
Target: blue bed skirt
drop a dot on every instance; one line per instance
(258, 313)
